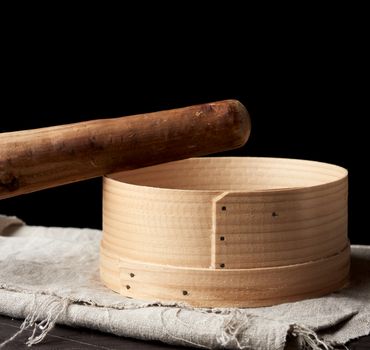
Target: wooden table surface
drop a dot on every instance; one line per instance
(62, 337)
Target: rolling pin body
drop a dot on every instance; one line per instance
(32, 160)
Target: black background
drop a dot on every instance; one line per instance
(305, 92)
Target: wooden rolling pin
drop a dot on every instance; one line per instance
(32, 160)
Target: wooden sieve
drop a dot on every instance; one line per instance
(226, 232)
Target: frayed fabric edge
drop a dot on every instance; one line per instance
(41, 319)
(307, 339)
(231, 331)
(44, 314)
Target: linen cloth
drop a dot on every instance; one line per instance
(50, 274)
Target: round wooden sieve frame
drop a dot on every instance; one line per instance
(217, 232)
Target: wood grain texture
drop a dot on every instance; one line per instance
(240, 216)
(36, 159)
(202, 287)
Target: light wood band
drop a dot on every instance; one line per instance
(225, 287)
(233, 231)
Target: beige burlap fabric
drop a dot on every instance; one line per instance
(50, 275)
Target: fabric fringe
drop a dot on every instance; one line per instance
(44, 315)
(307, 339)
(231, 331)
(52, 308)
(229, 335)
